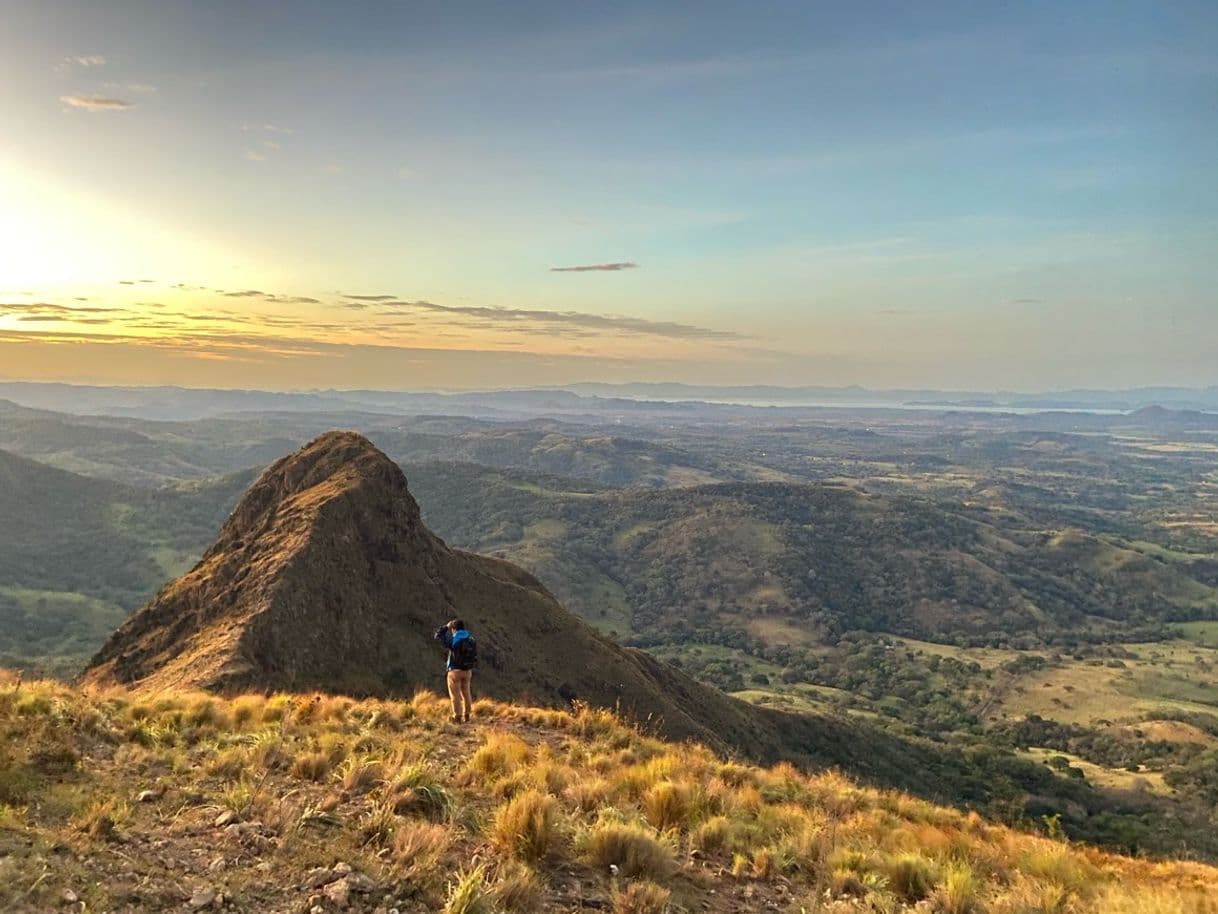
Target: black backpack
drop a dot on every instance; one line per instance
(465, 654)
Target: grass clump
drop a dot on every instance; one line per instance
(417, 791)
(311, 766)
(912, 877)
(498, 756)
(958, 892)
(516, 889)
(420, 846)
(467, 893)
(641, 898)
(667, 805)
(526, 826)
(633, 849)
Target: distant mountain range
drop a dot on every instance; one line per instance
(179, 403)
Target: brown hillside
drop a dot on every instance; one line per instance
(324, 577)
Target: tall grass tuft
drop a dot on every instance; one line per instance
(634, 850)
(526, 826)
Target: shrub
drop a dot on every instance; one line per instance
(526, 825)
(641, 898)
(633, 849)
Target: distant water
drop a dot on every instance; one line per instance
(896, 404)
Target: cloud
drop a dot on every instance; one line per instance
(88, 60)
(141, 88)
(268, 128)
(247, 293)
(293, 299)
(254, 155)
(96, 102)
(597, 267)
(371, 297)
(574, 322)
(407, 172)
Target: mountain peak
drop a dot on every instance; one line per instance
(324, 577)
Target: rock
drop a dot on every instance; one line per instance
(342, 869)
(147, 796)
(316, 878)
(228, 817)
(202, 898)
(70, 897)
(364, 885)
(216, 865)
(263, 866)
(317, 909)
(339, 893)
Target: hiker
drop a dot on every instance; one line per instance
(462, 658)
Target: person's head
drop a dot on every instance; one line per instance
(456, 625)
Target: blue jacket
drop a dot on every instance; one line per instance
(448, 639)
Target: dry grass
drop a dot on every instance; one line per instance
(634, 850)
(641, 898)
(526, 826)
(531, 802)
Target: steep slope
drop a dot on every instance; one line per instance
(324, 577)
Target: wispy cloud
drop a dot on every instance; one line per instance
(371, 297)
(254, 155)
(96, 102)
(531, 320)
(597, 267)
(266, 128)
(87, 60)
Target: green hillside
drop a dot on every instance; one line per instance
(76, 554)
(755, 561)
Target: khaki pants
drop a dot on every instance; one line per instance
(458, 691)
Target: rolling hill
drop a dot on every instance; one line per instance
(807, 561)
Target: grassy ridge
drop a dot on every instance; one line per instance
(151, 801)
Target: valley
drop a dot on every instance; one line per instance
(1040, 589)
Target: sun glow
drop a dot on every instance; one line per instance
(53, 237)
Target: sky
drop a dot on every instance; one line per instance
(965, 195)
